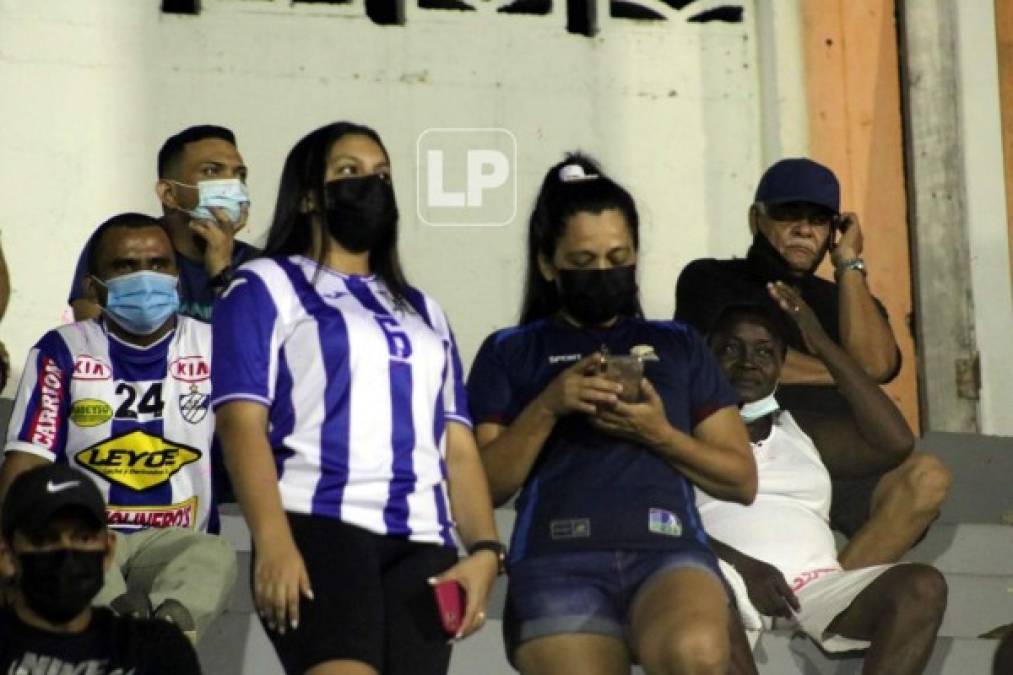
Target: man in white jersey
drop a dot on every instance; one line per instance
(778, 553)
(125, 398)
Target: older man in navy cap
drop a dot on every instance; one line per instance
(882, 503)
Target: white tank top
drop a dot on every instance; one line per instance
(788, 523)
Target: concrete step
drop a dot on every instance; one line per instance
(237, 645)
(977, 603)
(961, 548)
(967, 548)
(981, 467)
(779, 655)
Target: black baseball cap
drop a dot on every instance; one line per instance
(798, 179)
(38, 493)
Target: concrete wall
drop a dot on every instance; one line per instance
(854, 105)
(92, 87)
(985, 204)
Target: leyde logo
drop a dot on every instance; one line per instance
(137, 460)
(90, 412)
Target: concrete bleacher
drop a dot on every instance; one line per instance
(972, 544)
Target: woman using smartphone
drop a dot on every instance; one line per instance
(608, 562)
(342, 413)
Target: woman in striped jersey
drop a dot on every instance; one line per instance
(343, 416)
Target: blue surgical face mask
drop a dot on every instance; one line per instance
(228, 193)
(755, 410)
(141, 302)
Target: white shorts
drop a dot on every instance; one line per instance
(823, 595)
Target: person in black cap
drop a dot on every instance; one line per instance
(883, 507)
(55, 547)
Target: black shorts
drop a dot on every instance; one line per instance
(851, 503)
(372, 601)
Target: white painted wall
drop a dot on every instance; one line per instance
(92, 87)
(985, 200)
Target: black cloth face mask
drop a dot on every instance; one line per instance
(767, 264)
(58, 585)
(593, 297)
(361, 212)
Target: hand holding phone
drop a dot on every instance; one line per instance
(848, 240)
(451, 601)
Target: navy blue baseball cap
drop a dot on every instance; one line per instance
(798, 179)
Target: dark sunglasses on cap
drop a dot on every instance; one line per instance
(799, 211)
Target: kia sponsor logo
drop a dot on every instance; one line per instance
(190, 369)
(87, 367)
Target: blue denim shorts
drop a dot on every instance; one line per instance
(586, 592)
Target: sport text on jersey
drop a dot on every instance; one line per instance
(137, 460)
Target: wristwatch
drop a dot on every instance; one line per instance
(850, 264)
(491, 545)
(222, 279)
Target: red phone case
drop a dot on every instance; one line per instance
(450, 602)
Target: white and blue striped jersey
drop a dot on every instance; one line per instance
(135, 419)
(359, 392)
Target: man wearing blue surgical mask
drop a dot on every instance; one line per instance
(202, 188)
(124, 397)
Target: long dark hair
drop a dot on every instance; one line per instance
(557, 201)
(303, 176)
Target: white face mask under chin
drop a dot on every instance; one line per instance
(754, 410)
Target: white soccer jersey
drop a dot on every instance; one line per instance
(135, 419)
(788, 523)
(359, 392)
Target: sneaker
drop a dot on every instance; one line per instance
(174, 612)
(134, 604)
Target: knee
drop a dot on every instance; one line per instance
(922, 593)
(215, 556)
(928, 481)
(698, 648)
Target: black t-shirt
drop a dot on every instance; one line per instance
(111, 645)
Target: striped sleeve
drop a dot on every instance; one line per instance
(244, 344)
(455, 395)
(38, 423)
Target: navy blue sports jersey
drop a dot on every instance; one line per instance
(589, 490)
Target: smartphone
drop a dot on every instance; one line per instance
(627, 371)
(451, 601)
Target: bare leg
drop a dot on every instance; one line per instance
(679, 624)
(899, 613)
(904, 504)
(742, 661)
(582, 653)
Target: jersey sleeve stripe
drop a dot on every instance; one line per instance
(460, 419)
(239, 396)
(31, 449)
